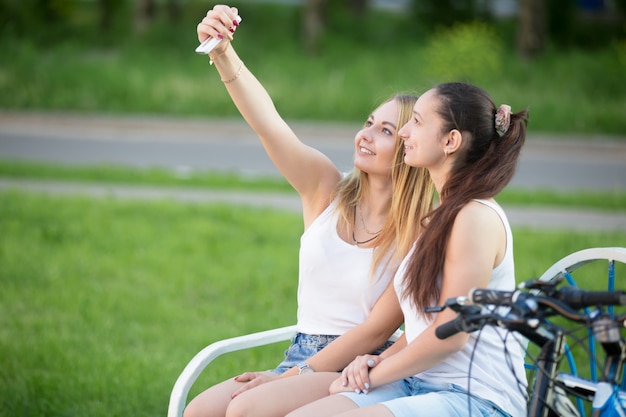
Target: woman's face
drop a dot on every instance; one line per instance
(375, 144)
(422, 136)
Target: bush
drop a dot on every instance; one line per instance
(470, 52)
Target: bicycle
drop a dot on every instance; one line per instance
(527, 311)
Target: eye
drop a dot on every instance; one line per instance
(368, 123)
(387, 132)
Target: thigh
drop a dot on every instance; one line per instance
(352, 404)
(280, 396)
(328, 406)
(380, 394)
(213, 401)
(442, 403)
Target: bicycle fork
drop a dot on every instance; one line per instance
(543, 401)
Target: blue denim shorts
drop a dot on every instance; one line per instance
(410, 396)
(303, 346)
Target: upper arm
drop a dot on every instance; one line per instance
(476, 246)
(308, 170)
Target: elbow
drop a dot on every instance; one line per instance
(455, 343)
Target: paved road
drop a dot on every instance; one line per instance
(593, 163)
(575, 163)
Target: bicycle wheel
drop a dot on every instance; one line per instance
(590, 269)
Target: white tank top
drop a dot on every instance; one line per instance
(490, 376)
(336, 290)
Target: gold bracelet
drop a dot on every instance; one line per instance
(212, 58)
(234, 77)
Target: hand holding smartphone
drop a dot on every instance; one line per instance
(210, 43)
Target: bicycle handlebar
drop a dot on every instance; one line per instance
(461, 324)
(573, 298)
(564, 302)
(577, 298)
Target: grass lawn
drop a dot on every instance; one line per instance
(103, 302)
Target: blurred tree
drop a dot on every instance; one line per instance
(320, 16)
(107, 10)
(146, 13)
(433, 14)
(314, 11)
(358, 7)
(174, 10)
(531, 39)
(35, 17)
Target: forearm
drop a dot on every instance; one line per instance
(343, 350)
(420, 355)
(306, 169)
(247, 93)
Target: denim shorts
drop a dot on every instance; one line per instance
(303, 346)
(411, 396)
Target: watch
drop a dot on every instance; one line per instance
(304, 368)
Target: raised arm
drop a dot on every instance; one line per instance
(311, 173)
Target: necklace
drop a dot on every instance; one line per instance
(357, 242)
(363, 221)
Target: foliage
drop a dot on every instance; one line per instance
(22, 17)
(156, 71)
(570, 27)
(436, 14)
(468, 52)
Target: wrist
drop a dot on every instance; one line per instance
(216, 57)
(304, 368)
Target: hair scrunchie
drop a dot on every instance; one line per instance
(503, 118)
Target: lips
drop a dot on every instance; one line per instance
(365, 151)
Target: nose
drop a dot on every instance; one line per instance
(365, 134)
(403, 133)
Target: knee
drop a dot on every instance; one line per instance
(198, 408)
(190, 411)
(193, 409)
(239, 406)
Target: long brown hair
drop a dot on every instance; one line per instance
(412, 198)
(483, 167)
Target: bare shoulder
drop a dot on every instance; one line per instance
(477, 215)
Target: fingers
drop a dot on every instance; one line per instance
(246, 387)
(356, 375)
(246, 377)
(219, 22)
(253, 379)
(337, 386)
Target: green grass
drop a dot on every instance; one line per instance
(110, 174)
(82, 69)
(150, 176)
(103, 301)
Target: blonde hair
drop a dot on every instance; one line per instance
(411, 199)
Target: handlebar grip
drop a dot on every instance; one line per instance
(577, 298)
(493, 297)
(450, 328)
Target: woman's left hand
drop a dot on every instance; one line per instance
(253, 379)
(355, 376)
(337, 386)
